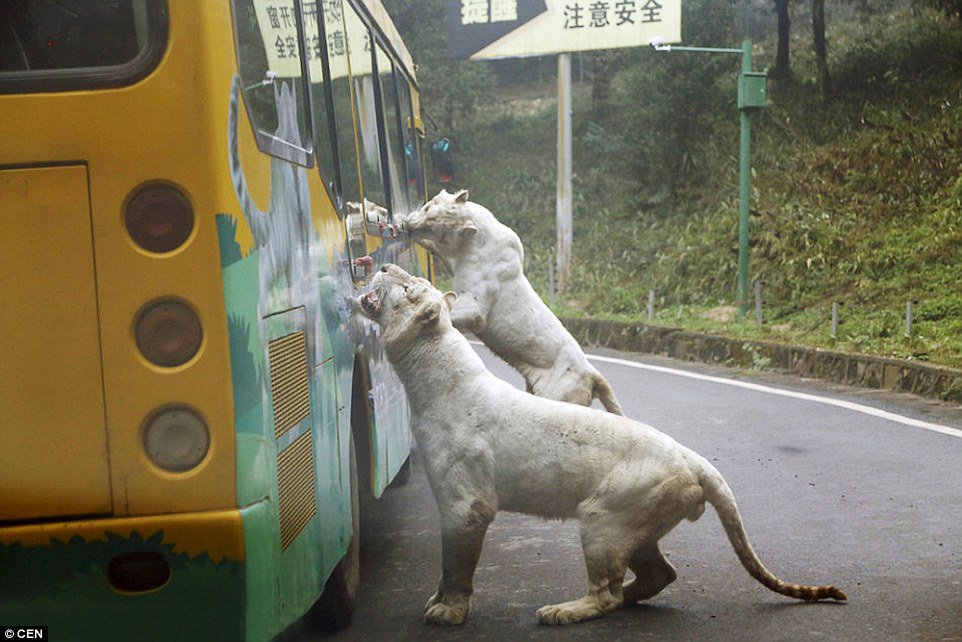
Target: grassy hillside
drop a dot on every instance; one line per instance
(857, 199)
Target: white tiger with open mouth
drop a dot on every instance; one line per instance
(497, 303)
(488, 446)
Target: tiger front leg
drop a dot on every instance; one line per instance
(461, 540)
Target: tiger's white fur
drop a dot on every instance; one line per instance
(487, 446)
(497, 303)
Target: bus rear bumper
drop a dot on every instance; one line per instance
(158, 577)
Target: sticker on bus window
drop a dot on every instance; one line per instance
(277, 22)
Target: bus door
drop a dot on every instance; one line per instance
(57, 465)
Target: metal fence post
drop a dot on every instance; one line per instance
(551, 282)
(758, 302)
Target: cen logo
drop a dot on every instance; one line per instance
(24, 632)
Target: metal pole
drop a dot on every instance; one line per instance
(835, 319)
(758, 302)
(563, 205)
(698, 49)
(651, 305)
(908, 319)
(551, 284)
(744, 190)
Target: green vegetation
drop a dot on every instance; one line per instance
(856, 198)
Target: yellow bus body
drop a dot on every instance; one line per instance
(77, 489)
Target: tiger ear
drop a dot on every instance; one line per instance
(461, 196)
(449, 299)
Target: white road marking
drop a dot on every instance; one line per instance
(848, 405)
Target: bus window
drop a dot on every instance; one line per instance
(269, 62)
(359, 51)
(54, 47)
(341, 99)
(321, 109)
(392, 131)
(412, 143)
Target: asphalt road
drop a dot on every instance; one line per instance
(828, 493)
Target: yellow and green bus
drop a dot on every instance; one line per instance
(191, 193)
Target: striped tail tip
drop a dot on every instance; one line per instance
(817, 593)
(835, 593)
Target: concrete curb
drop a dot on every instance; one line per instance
(852, 369)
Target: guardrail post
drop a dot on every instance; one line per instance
(551, 282)
(758, 302)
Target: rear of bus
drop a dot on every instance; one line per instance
(175, 392)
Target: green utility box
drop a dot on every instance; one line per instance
(751, 90)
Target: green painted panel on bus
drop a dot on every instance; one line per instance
(64, 586)
(282, 584)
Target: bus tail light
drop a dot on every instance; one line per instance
(168, 333)
(138, 572)
(159, 218)
(176, 439)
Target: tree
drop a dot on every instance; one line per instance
(782, 64)
(670, 104)
(821, 48)
(452, 90)
(601, 83)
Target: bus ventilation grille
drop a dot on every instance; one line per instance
(288, 360)
(295, 485)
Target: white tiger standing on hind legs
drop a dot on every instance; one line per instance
(497, 303)
(488, 446)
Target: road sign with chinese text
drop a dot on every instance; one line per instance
(485, 29)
